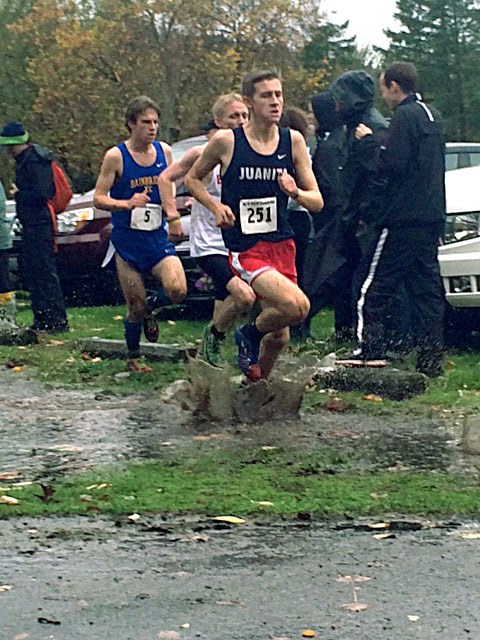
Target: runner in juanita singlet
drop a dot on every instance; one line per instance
(127, 186)
(262, 166)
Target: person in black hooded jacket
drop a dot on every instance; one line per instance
(352, 193)
(34, 187)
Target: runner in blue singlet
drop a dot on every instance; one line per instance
(127, 186)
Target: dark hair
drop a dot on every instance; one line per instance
(296, 119)
(249, 82)
(136, 107)
(404, 74)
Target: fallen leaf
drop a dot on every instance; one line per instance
(355, 606)
(134, 517)
(10, 475)
(201, 437)
(383, 536)
(94, 509)
(398, 467)
(48, 492)
(268, 448)
(54, 343)
(335, 404)
(467, 535)
(352, 579)
(91, 486)
(378, 525)
(308, 633)
(165, 444)
(371, 397)
(185, 626)
(229, 519)
(414, 618)
(379, 496)
(262, 503)
(168, 635)
(104, 485)
(48, 621)
(172, 323)
(11, 364)
(230, 603)
(86, 356)
(118, 317)
(200, 538)
(67, 448)
(17, 369)
(85, 497)
(95, 360)
(450, 364)
(220, 436)
(8, 500)
(5, 587)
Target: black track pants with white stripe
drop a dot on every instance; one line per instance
(404, 256)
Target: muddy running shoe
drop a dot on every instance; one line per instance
(357, 359)
(248, 352)
(211, 346)
(150, 328)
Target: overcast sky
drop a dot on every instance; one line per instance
(367, 18)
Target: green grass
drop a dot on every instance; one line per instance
(234, 484)
(62, 364)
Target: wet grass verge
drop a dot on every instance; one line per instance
(58, 360)
(271, 483)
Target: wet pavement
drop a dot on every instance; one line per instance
(95, 578)
(91, 579)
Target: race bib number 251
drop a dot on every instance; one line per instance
(258, 215)
(148, 218)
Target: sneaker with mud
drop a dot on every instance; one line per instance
(248, 353)
(150, 328)
(211, 345)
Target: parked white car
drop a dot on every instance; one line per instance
(460, 255)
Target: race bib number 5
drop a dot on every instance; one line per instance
(258, 215)
(147, 218)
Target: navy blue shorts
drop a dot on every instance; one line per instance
(142, 249)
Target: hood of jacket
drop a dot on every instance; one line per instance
(354, 91)
(324, 109)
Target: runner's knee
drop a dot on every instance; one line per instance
(296, 310)
(244, 298)
(176, 291)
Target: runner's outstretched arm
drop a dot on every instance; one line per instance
(173, 175)
(305, 188)
(216, 152)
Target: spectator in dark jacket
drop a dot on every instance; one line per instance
(34, 187)
(412, 159)
(352, 191)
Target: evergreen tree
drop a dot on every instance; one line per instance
(442, 38)
(332, 50)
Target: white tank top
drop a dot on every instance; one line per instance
(205, 236)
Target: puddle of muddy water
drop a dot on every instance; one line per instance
(49, 432)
